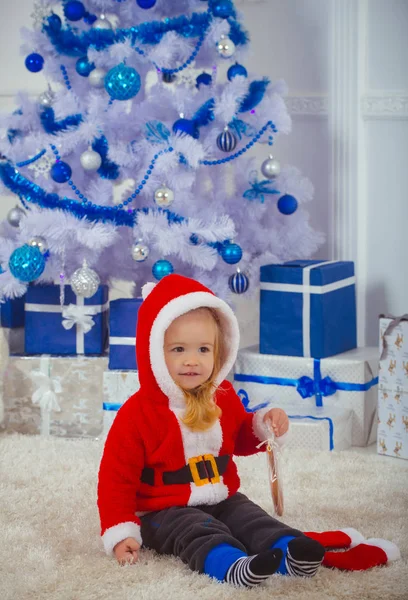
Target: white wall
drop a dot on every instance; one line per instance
(345, 64)
(386, 141)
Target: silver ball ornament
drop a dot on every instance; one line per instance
(40, 243)
(270, 167)
(97, 77)
(140, 252)
(46, 99)
(102, 23)
(90, 160)
(225, 47)
(14, 216)
(85, 281)
(164, 196)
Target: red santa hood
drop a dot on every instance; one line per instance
(163, 302)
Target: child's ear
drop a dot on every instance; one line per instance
(147, 288)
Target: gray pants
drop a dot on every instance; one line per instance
(191, 532)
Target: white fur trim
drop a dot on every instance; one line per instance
(355, 536)
(391, 550)
(175, 308)
(147, 288)
(198, 444)
(261, 429)
(116, 534)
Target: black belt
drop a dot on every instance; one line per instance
(200, 470)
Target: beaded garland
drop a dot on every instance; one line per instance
(34, 193)
(66, 78)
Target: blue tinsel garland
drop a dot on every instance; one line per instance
(108, 169)
(68, 43)
(254, 96)
(52, 126)
(34, 194)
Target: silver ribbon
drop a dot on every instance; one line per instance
(46, 393)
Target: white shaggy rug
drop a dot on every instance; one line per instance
(49, 528)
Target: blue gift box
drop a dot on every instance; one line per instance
(12, 313)
(79, 327)
(122, 333)
(308, 308)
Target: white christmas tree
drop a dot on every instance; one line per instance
(136, 158)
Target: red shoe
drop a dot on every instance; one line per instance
(371, 553)
(340, 538)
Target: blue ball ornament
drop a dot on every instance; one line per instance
(34, 62)
(61, 172)
(203, 79)
(238, 283)
(54, 22)
(287, 204)
(122, 82)
(231, 253)
(161, 268)
(235, 70)
(74, 10)
(186, 127)
(223, 9)
(90, 19)
(27, 263)
(146, 3)
(226, 141)
(83, 66)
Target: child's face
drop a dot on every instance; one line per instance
(189, 345)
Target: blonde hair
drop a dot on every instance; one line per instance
(201, 410)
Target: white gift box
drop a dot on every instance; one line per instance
(54, 395)
(323, 429)
(346, 381)
(392, 437)
(118, 386)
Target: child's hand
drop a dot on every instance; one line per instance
(278, 420)
(127, 551)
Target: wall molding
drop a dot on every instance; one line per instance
(385, 105)
(315, 105)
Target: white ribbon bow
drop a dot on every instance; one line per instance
(80, 316)
(46, 394)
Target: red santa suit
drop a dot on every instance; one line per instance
(149, 450)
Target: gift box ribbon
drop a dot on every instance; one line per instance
(78, 315)
(308, 387)
(111, 406)
(393, 323)
(245, 401)
(122, 341)
(46, 394)
(306, 290)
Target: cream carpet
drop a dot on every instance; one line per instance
(49, 528)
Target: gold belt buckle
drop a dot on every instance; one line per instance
(194, 470)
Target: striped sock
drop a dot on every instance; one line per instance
(249, 571)
(303, 557)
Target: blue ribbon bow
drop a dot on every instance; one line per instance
(318, 387)
(308, 387)
(258, 188)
